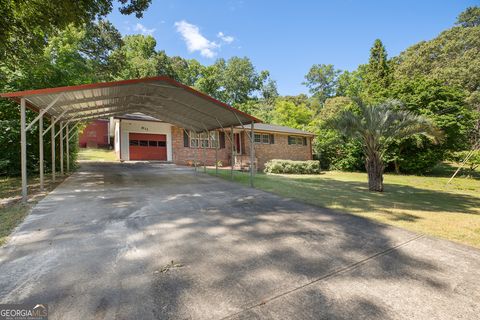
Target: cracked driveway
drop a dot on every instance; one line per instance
(101, 246)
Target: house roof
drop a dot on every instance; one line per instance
(276, 128)
(159, 97)
(137, 116)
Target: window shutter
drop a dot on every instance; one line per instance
(304, 141)
(185, 139)
(221, 137)
(272, 139)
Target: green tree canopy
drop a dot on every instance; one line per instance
(322, 81)
(27, 25)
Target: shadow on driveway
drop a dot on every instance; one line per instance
(97, 247)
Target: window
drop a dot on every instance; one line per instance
(203, 140)
(143, 143)
(266, 138)
(152, 143)
(134, 142)
(162, 143)
(297, 140)
(263, 138)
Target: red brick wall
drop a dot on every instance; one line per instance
(279, 150)
(95, 134)
(263, 152)
(186, 155)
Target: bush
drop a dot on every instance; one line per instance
(290, 166)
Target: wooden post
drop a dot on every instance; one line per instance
(23, 150)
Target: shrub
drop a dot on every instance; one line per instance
(293, 167)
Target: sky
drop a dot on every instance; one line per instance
(288, 37)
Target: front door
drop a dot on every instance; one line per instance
(147, 146)
(237, 137)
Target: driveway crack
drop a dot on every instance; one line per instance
(326, 276)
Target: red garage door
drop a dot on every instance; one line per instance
(145, 146)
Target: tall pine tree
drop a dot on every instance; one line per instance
(378, 74)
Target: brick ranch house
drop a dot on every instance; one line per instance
(141, 137)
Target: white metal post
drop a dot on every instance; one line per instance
(40, 146)
(23, 149)
(233, 160)
(217, 145)
(195, 151)
(61, 148)
(52, 141)
(252, 148)
(67, 145)
(204, 155)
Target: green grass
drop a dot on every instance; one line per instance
(10, 217)
(422, 204)
(13, 213)
(90, 154)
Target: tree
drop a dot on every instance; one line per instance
(377, 126)
(445, 106)
(453, 57)
(136, 58)
(469, 18)
(322, 81)
(25, 26)
(377, 76)
(240, 80)
(289, 114)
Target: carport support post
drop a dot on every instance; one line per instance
(252, 156)
(195, 151)
(216, 152)
(61, 148)
(204, 155)
(52, 138)
(40, 147)
(67, 145)
(233, 160)
(23, 150)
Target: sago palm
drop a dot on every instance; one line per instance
(377, 127)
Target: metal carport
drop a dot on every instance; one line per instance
(159, 97)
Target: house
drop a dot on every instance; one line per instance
(141, 137)
(95, 135)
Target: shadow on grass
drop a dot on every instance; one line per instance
(356, 195)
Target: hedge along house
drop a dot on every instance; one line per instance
(142, 137)
(159, 97)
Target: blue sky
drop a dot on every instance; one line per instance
(288, 37)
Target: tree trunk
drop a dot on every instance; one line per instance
(397, 166)
(374, 166)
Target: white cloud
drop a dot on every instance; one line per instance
(195, 40)
(143, 30)
(225, 38)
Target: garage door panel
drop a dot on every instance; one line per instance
(147, 146)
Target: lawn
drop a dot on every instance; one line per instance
(89, 154)
(423, 204)
(12, 210)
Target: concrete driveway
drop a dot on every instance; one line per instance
(101, 246)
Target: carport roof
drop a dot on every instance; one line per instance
(160, 97)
